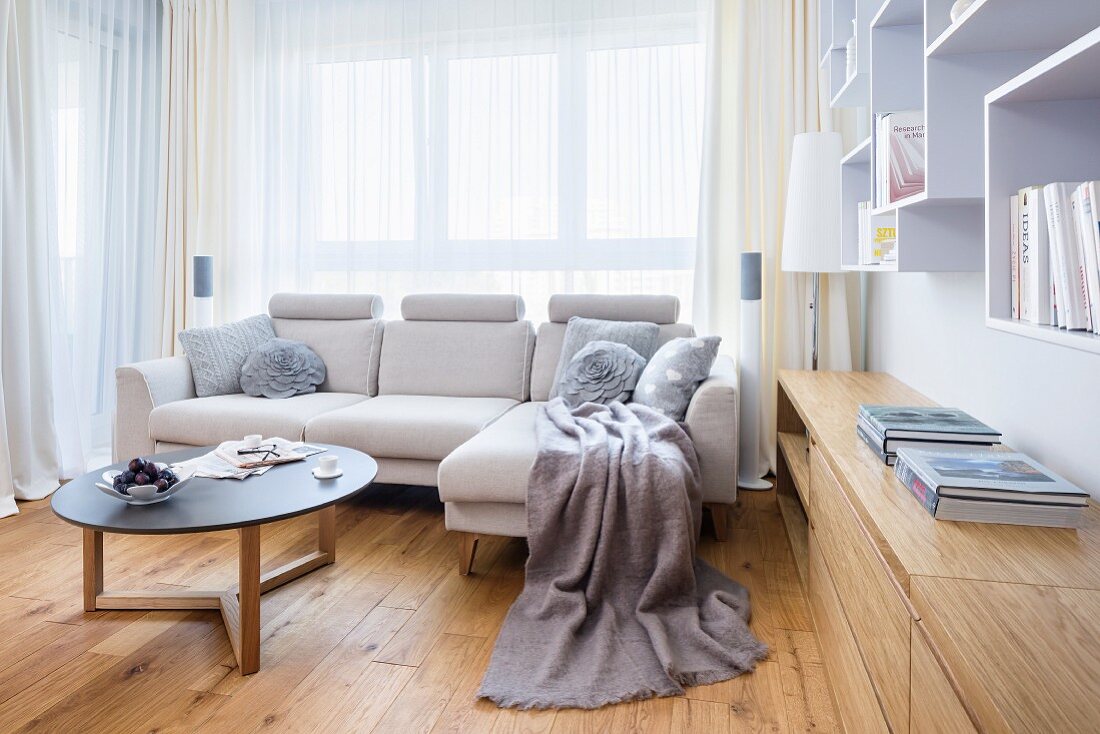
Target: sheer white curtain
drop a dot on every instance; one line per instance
(530, 146)
(36, 446)
(102, 72)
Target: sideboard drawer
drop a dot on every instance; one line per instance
(936, 707)
(857, 703)
(878, 617)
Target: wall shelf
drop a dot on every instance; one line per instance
(1054, 107)
(916, 59)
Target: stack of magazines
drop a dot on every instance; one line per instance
(887, 428)
(990, 486)
(233, 460)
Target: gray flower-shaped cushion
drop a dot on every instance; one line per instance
(281, 368)
(601, 372)
(673, 375)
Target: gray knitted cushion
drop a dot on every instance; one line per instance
(282, 368)
(216, 353)
(602, 372)
(673, 375)
(641, 336)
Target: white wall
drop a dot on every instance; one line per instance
(928, 330)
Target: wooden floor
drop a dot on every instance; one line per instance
(389, 639)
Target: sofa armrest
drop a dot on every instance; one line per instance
(712, 422)
(139, 388)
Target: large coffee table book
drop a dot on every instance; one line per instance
(929, 626)
(990, 486)
(886, 428)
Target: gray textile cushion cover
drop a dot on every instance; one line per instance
(674, 374)
(281, 368)
(216, 353)
(602, 372)
(641, 336)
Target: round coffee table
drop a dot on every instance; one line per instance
(205, 505)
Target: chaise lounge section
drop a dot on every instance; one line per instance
(445, 397)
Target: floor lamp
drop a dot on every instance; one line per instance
(811, 228)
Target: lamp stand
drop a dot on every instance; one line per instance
(814, 311)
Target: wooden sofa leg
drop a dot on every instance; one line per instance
(467, 548)
(719, 513)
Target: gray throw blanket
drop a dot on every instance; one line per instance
(616, 606)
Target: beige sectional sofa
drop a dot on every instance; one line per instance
(445, 397)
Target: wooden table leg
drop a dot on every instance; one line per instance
(93, 568)
(249, 600)
(326, 532)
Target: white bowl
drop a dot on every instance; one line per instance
(145, 494)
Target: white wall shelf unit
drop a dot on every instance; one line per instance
(834, 30)
(914, 58)
(1042, 126)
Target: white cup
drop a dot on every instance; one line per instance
(251, 441)
(327, 464)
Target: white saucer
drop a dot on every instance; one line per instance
(318, 475)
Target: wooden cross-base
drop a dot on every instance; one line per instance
(239, 604)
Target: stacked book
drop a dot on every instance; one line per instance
(887, 428)
(899, 156)
(989, 486)
(1054, 250)
(878, 236)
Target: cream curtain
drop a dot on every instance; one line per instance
(194, 212)
(36, 441)
(764, 72)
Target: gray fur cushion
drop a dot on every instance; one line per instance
(216, 353)
(673, 375)
(282, 368)
(641, 336)
(602, 372)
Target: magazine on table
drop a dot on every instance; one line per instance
(235, 460)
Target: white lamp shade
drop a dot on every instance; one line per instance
(811, 228)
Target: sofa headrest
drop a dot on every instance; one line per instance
(462, 307)
(327, 306)
(655, 309)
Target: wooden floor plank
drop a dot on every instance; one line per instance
(437, 678)
(390, 638)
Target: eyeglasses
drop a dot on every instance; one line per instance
(267, 451)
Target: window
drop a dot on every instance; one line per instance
(538, 148)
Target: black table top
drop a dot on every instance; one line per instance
(204, 505)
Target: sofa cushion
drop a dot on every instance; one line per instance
(342, 328)
(407, 426)
(216, 353)
(494, 465)
(548, 347)
(457, 358)
(204, 421)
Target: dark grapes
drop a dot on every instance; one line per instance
(136, 465)
(141, 478)
(169, 476)
(127, 477)
(161, 485)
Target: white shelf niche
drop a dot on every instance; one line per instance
(1042, 126)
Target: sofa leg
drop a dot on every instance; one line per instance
(467, 548)
(719, 513)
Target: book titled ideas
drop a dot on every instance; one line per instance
(1055, 255)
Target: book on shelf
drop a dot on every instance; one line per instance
(989, 486)
(878, 235)
(1036, 288)
(927, 423)
(1071, 286)
(1014, 253)
(899, 156)
(1057, 229)
(1089, 244)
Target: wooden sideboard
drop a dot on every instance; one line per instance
(930, 626)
